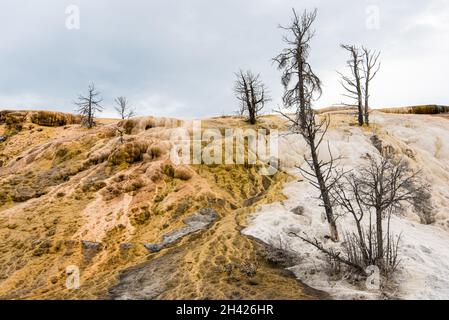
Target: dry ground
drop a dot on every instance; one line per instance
(63, 185)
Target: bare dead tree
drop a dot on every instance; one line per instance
(371, 66)
(353, 84)
(361, 248)
(381, 188)
(123, 108)
(89, 105)
(293, 61)
(251, 93)
(385, 185)
(299, 81)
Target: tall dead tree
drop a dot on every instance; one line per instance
(293, 61)
(251, 92)
(89, 105)
(353, 84)
(123, 108)
(299, 81)
(371, 66)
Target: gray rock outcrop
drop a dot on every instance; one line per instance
(203, 219)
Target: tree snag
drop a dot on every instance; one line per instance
(251, 92)
(353, 83)
(89, 105)
(123, 108)
(371, 66)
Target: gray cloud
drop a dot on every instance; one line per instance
(177, 58)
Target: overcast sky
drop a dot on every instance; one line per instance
(178, 58)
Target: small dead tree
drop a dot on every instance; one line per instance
(89, 105)
(361, 247)
(353, 84)
(386, 185)
(299, 81)
(371, 66)
(251, 92)
(123, 108)
(378, 190)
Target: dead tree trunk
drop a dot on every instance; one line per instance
(370, 68)
(323, 175)
(353, 84)
(379, 234)
(324, 190)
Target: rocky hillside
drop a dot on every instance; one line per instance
(139, 227)
(421, 142)
(134, 224)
